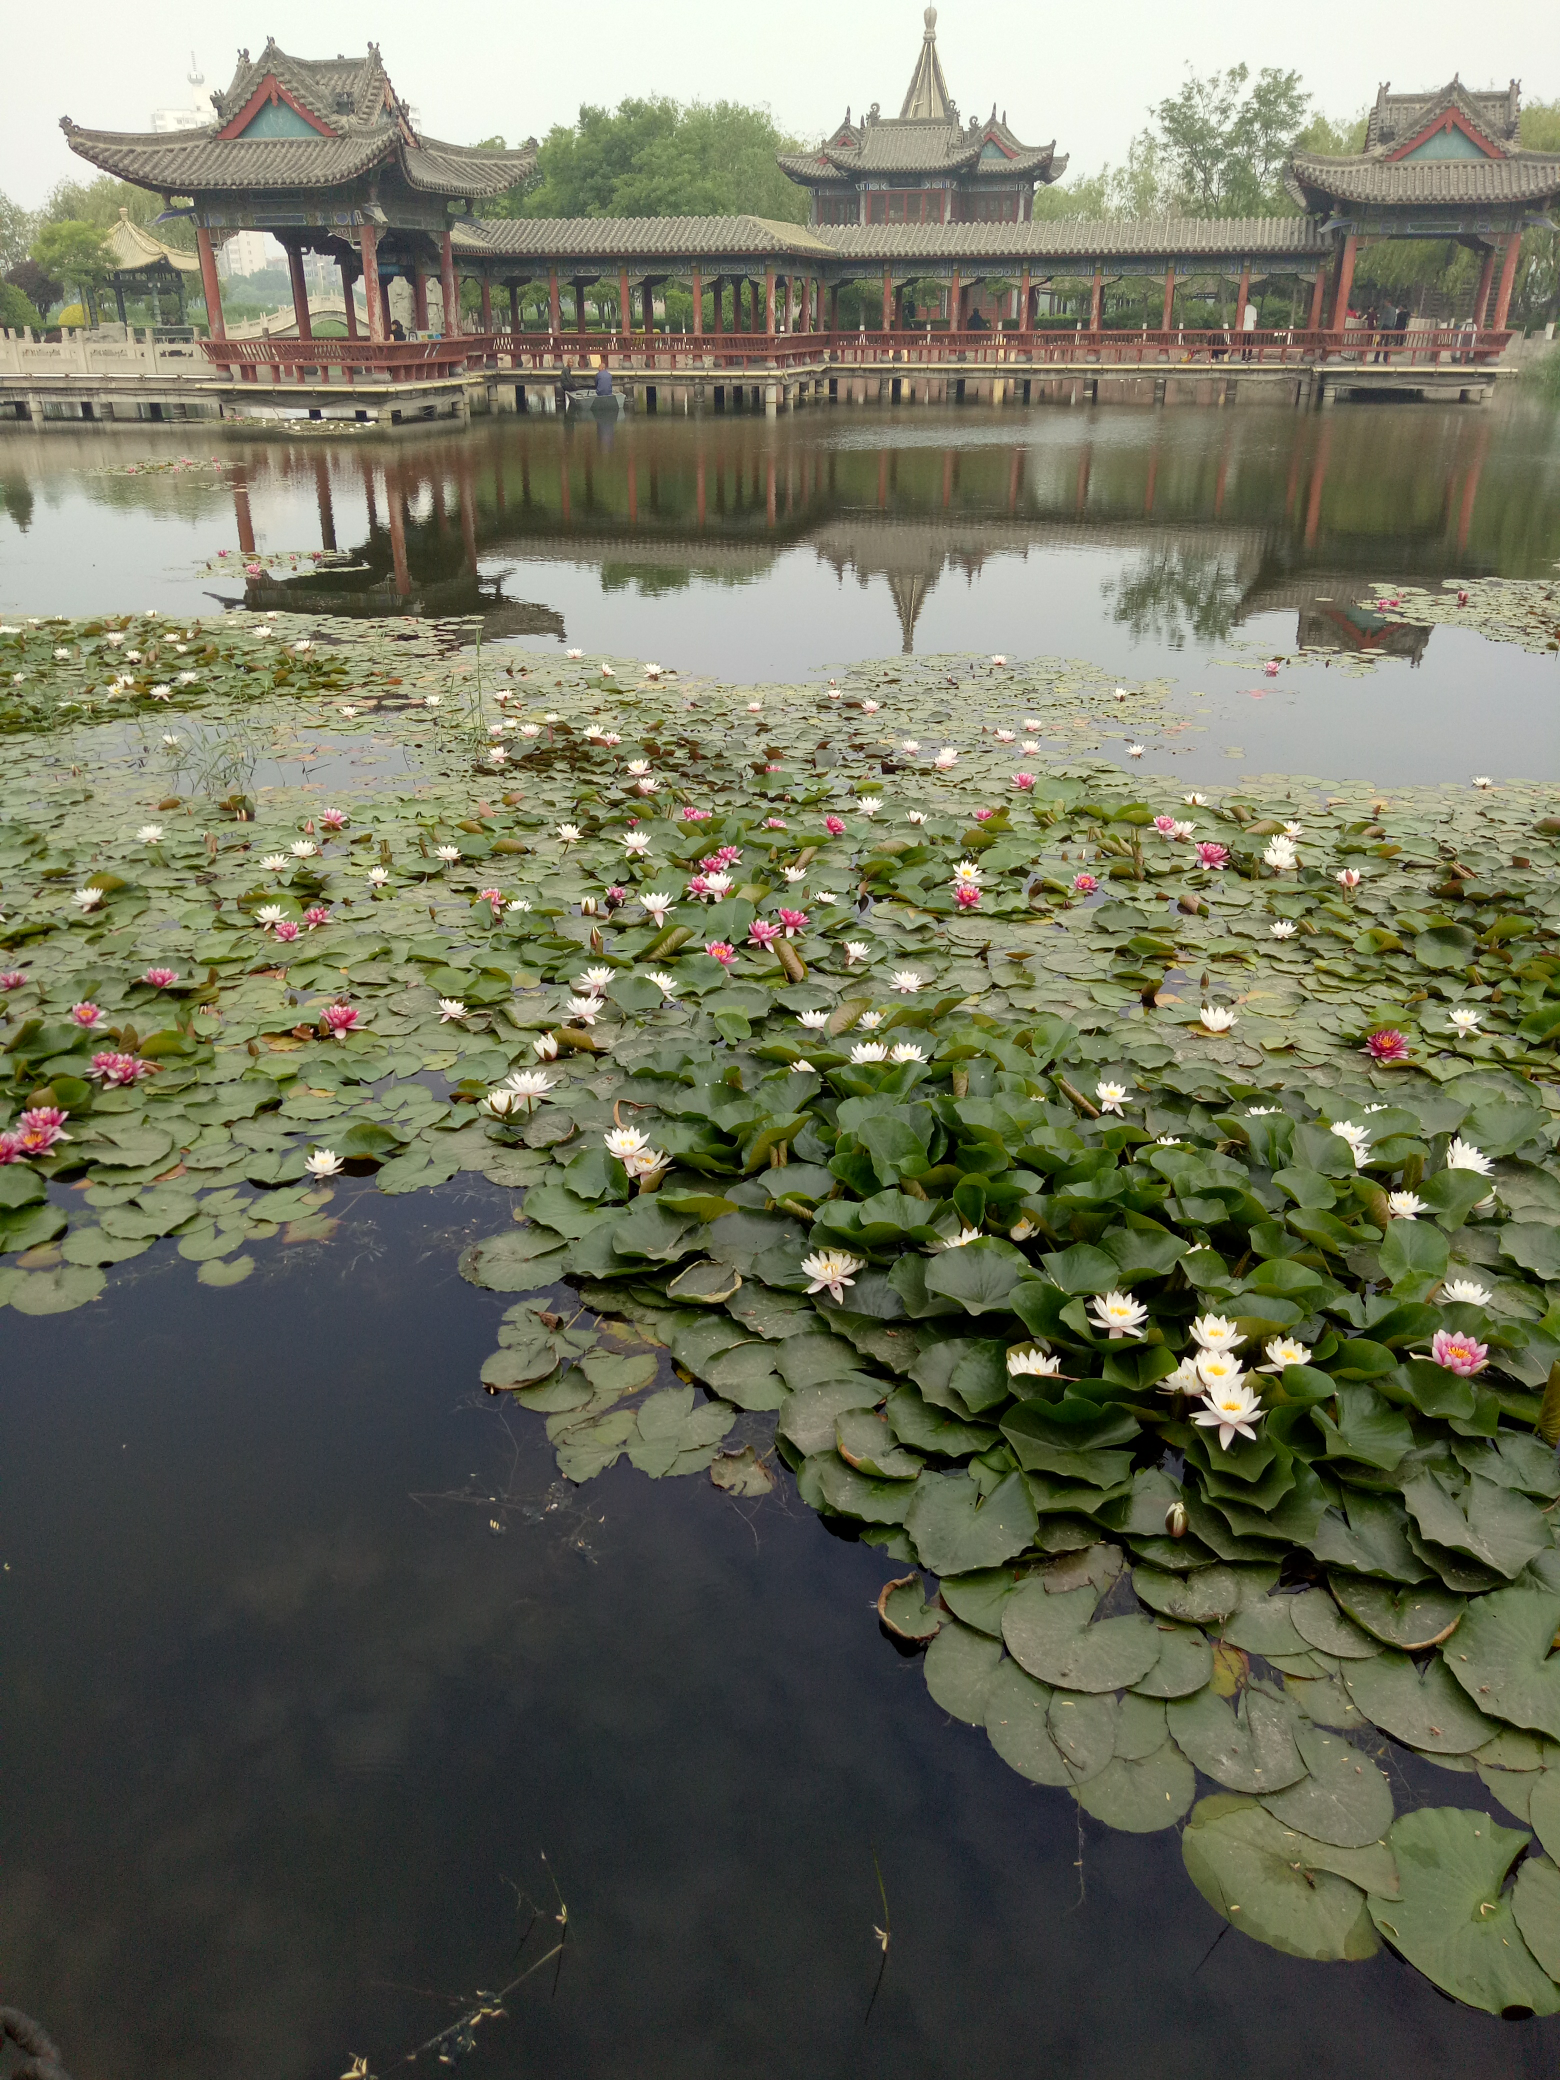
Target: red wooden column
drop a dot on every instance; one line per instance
(625, 305)
(447, 282)
(1508, 274)
(719, 301)
(210, 283)
(1242, 294)
(888, 300)
(834, 307)
(487, 305)
(955, 298)
(1023, 302)
(1481, 295)
(647, 305)
(1343, 282)
(348, 297)
(376, 307)
(419, 299)
(1096, 301)
(1168, 320)
(804, 315)
(698, 304)
(554, 309)
(514, 306)
(1318, 299)
(300, 293)
(769, 301)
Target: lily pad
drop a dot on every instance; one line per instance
(1018, 1725)
(1053, 1639)
(1453, 1920)
(1536, 1906)
(1322, 1625)
(1205, 1597)
(1411, 1619)
(976, 1599)
(1344, 1799)
(955, 1530)
(1544, 1810)
(1249, 1747)
(863, 1440)
(742, 1473)
(1423, 1708)
(1184, 1666)
(959, 1668)
(1503, 1656)
(903, 1610)
(1246, 1865)
(1140, 1795)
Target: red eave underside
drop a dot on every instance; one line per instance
(1449, 119)
(270, 89)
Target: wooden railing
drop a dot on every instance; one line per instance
(546, 354)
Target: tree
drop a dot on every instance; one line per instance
(16, 310)
(40, 289)
(18, 228)
(76, 253)
(1226, 144)
(99, 201)
(659, 158)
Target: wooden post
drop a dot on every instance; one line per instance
(769, 301)
(1096, 301)
(1318, 299)
(554, 304)
(376, 307)
(487, 305)
(647, 300)
(804, 315)
(1344, 282)
(888, 300)
(210, 283)
(625, 307)
(698, 304)
(1023, 302)
(1481, 295)
(720, 306)
(300, 292)
(834, 307)
(955, 297)
(1242, 294)
(1508, 274)
(899, 308)
(447, 284)
(579, 304)
(419, 299)
(349, 299)
(514, 306)
(1168, 320)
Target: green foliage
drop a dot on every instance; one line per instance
(658, 157)
(1226, 142)
(76, 254)
(16, 310)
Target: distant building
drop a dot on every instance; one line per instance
(195, 117)
(250, 252)
(923, 166)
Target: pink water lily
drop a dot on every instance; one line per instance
(157, 978)
(794, 921)
(697, 815)
(763, 934)
(41, 1128)
(966, 896)
(1386, 1045)
(835, 826)
(339, 1020)
(13, 978)
(316, 914)
(87, 1016)
(1024, 781)
(114, 1070)
(1212, 855)
(1464, 1355)
(285, 930)
(1084, 884)
(721, 950)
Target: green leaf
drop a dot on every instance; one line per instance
(514, 1262)
(1500, 1529)
(854, 1494)
(959, 1668)
(1249, 1747)
(1208, 1595)
(980, 1277)
(225, 1271)
(1141, 1794)
(50, 1292)
(1344, 1799)
(1502, 1656)
(1262, 1877)
(807, 1415)
(1051, 1636)
(917, 1422)
(1413, 1250)
(863, 1440)
(1453, 1921)
(1535, 1245)
(1322, 1625)
(1423, 1709)
(1445, 946)
(1536, 1907)
(954, 1530)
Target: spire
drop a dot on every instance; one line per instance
(928, 93)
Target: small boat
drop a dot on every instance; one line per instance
(596, 396)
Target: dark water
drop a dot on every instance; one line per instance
(289, 1730)
(1152, 543)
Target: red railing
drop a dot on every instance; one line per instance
(547, 354)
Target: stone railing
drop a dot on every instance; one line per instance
(78, 354)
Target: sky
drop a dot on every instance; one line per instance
(477, 68)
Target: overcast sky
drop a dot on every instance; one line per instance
(475, 68)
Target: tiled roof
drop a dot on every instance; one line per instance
(180, 161)
(1433, 183)
(927, 93)
(809, 166)
(1081, 238)
(641, 238)
(455, 169)
(1396, 118)
(344, 92)
(902, 147)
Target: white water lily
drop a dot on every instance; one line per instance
(594, 981)
(624, 1142)
(815, 1021)
(1195, 801)
(801, 1067)
(637, 766)
(1262, 1111)
(946, 759)
(915, 816)
(635, 843)
(856, 950)
(1463, 1020)
(149, 834)
(907, 1051)
(1217, 1018)
(831, 1270)
(303, 848)
(1023, 1228)
(1282, 1351)
(545, 1047)
(1185, 1379)
(1119, 1314)
(966, 874)
(516, 903)
(718, 884)
(795, 874)
(907, 981)
(1282, 928)
(269, 914)
(276, 863)
(1405, 1206)
(1218, 1369)
(1032, 1364)
(869, 1051)
(1216, 1332)
(655, 905)
(1029, 744)
(569, 833)
(530, 730)
(574, 653)
(1006, 736)
(1462, 1155)
(1112, 1096)
(1033, 722)
(322, 1162)
(870, 1020)
(1357, 1137)
(1135, 750)
(1232, 1410)
(1281, 856)
(347, 709)
(648, 785)
(86, 899)
(1482, 780)
(452, 1009)
(531, 1084)
(378, 877)
(869, 804)
(584, 1009)
(449, 854)
(1181, 829)
(911, 744)
(824, 896)
(1466, 1292)
(662, 981)
(962, 1240)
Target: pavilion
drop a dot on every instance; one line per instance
(142, 265)
(321, 153)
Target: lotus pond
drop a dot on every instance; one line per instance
(740, 1334)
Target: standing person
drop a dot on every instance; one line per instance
(1248, 325)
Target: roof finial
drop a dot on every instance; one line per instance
(930, 18)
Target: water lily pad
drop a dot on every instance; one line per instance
(1536, 1906)
(1267, 1629)
(1141, 1795)
(959, 1667)
(1344, 1799)
(1411, 1619)
(1184, 1666)
(807, 1416)
(1053, 1639)
(916, 1421)
(50, 1292)
(977, 1599)
(854, 1494)
(955, 1530)
(1205, 1597)
(1321, 1624)
(1248, 1747)
(1424, 1708)
(1453, 1921)
(1018, 1725)
(1503, 1656)
(863, 1440)
(743, 1473)
(675, 1436)
(1495, 1526)
(1544, 1810)
(1083, 1726)
(705, 1284)
(1253, 1872)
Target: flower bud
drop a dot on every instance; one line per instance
(1175, 1520)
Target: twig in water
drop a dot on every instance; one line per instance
(884, 1936)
